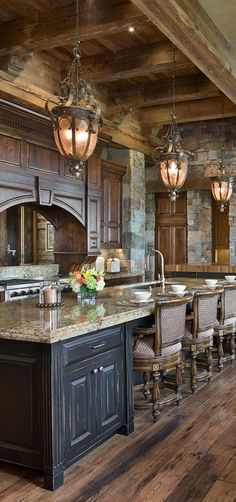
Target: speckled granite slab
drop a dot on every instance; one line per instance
(29, 271)
(23, 320)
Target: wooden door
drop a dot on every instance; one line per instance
(171, 228)
(220, 234)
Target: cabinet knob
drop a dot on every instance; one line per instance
(95, 371)
(101, 368)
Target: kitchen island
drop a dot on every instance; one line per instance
(65, 378)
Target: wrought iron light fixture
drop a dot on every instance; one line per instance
(77, 117)
(171, 156)
(222, 185)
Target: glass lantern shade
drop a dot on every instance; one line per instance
(173, 170)
(75, 131)
(222, 189)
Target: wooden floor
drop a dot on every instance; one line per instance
(188, 456)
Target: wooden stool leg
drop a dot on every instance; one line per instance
(232, 347)
(209, 363)
(178, 382)
(156, 395)
(220, 351)
(146, 384)
(193, 371)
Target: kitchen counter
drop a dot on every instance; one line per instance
(23, 320)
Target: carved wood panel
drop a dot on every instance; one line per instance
(94, 172)
(110, 388)
(79, 396)
(43, 159)
(20, 424)
(93, 225)
(10, 150)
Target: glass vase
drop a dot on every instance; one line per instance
(86, 298)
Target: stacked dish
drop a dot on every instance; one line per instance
(230, 278)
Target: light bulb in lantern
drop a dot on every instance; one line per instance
(222, 189)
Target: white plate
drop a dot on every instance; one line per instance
(142, 301)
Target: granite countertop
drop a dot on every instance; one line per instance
(24, 320)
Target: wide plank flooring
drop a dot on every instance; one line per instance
(188, 456)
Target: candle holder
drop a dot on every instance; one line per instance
(50, 294)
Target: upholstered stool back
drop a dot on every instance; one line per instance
(228, 303)
(205, 305)
(170, 324)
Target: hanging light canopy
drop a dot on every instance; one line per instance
(222, 185)
(171, 156)
(77, 117)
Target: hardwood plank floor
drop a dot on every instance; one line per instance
(188, 456)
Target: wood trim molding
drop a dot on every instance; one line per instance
(111, 167)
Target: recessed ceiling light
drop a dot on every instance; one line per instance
(131, 29)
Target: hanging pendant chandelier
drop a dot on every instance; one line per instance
(171, 157)
(77, 117)
(222, 185)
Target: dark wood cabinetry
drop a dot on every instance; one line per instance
(93, 401)
(111, 205)
(63, 399)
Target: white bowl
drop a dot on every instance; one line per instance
(178, 288)
(142, 295)
(211, 282)
(230, 278)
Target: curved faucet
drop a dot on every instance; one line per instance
(162, 267)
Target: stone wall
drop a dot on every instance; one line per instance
(204, 139)
(199, 221)
(132, 254)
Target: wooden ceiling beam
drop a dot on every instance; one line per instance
(126, 133)
(190, 111)
(56, 27)
(188, 26)
(131, 63)
(160, 93)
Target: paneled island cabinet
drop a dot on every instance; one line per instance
(65, 379)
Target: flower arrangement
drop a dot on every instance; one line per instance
(86, 280)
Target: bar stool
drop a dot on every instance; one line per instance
(198, 337)
(224, 333)
(157, 350)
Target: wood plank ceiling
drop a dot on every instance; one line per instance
(131, 72)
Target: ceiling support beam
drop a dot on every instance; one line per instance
(190, 111)
(57, 27)
(160, 93)
(126, 133)
(189, 27)
(137, 62)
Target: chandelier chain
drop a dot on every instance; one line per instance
(173, 83)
